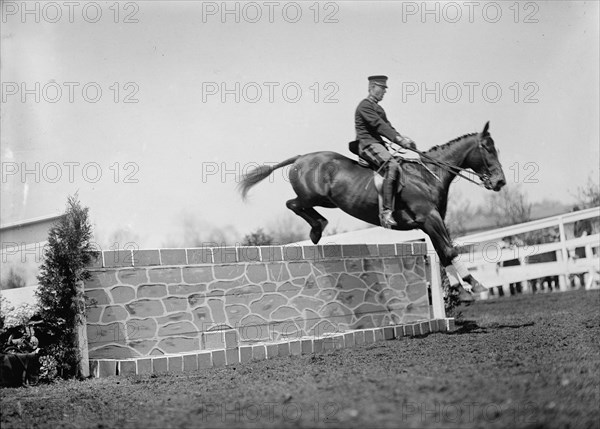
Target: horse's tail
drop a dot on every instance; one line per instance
(259, 173)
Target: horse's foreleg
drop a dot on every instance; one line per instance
(433, 225)
(310, 215)
(463, 273)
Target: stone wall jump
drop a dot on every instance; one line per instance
(164, 302)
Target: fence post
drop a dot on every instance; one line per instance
(563, 279)
(437, 294)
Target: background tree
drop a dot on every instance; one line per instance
(193, 231)
(15, 278)
(122, 238)
(458, 214)
(588, 195)
(288, 229)
(509, 206)
(257, 238)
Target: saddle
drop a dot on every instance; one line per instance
(402, 155)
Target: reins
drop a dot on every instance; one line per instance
(457, 171)
(453, 169)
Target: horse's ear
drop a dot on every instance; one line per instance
(486, 128)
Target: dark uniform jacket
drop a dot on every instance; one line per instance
(371, 123)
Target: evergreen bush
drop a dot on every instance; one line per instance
(60, 291)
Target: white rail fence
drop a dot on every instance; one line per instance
(554, 253)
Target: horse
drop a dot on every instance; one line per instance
(329, 179)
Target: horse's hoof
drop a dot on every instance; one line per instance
(464, 296)
(316, 233)
(478, 287)
(315, 236)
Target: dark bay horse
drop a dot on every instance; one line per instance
(328, 179)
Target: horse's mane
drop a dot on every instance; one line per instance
(450, 143)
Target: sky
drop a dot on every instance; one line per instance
(150, 111)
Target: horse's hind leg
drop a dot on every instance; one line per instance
(310, 215)
(321, 223)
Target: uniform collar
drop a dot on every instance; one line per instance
(371, 99)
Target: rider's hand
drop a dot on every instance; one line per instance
(400, 141)
(406, 142)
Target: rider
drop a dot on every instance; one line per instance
(371, 124)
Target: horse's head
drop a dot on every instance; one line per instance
(483, 159)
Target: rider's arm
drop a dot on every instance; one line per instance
(383, 126)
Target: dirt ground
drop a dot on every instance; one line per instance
(522, 361)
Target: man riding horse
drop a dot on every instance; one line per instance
(329, 179)
(371, 125)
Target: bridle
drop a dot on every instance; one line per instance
(487, 174)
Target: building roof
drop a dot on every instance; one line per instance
(28, 222)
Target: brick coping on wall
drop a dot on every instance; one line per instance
(179, 363)
(234, 254)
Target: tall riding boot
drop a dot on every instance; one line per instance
(389, 190)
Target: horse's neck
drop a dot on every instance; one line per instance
(454, 154)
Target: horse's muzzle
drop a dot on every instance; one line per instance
(493, 184)
(499, 185)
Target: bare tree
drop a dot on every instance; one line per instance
(122, 238)
(458, 214)
(257, 238)
(196, 232)
(288, 229)
(509, 206)
(588, 195)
